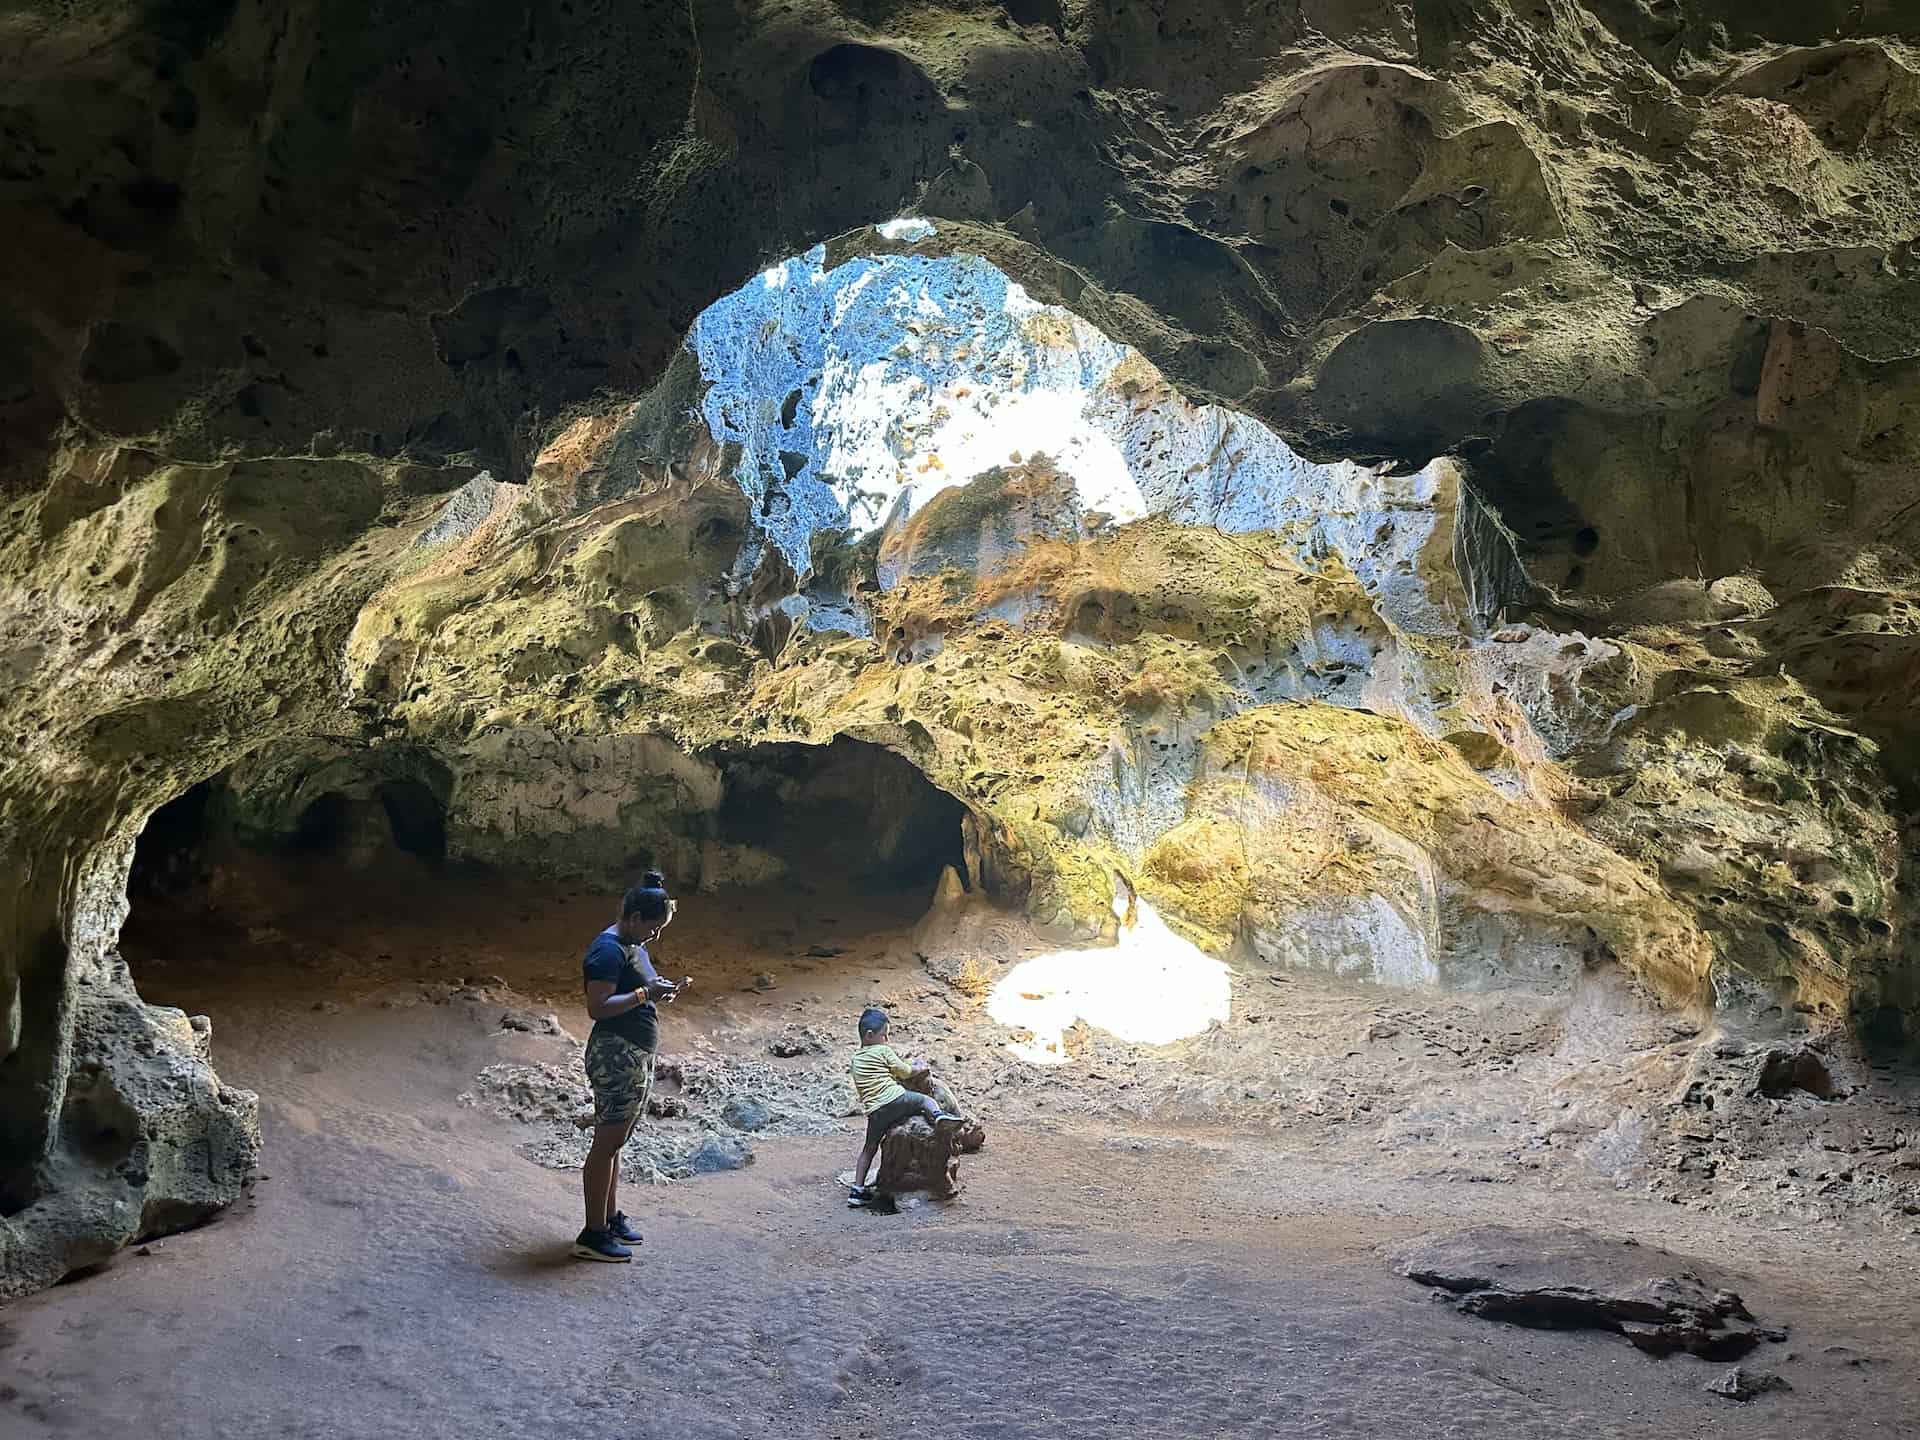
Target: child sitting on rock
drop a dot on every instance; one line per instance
(878, 1073)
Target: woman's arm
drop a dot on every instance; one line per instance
(603, 1004)
(651, 982)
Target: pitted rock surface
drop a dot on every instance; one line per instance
(1574, 1280)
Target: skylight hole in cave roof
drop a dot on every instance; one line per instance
(858, 392)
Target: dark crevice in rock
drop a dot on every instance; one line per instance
(1781, 1072)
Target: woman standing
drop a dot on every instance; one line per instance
(622, 987)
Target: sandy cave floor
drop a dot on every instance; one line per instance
(1188, 1241)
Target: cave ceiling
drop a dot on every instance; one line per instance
(1651, 272)
(1386, 228)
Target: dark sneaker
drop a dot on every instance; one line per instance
(858, 1196)
(945, 1124)
(622, 1229)
(599, 1245)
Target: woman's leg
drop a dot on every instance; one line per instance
(622, 1077)
(613, 1165)
(600, 1171)
(640, 1090)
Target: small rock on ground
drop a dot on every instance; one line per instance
(717, 1153)
(1740, 1383)
(793, 1042)
(743, 1113)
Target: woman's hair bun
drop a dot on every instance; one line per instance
(654, 880)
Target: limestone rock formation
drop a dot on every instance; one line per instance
(351, 444)
(1572, 1280)
(1743, 1384)
(152, 1141)
(919, 1158)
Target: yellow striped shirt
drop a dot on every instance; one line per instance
(877, 1073)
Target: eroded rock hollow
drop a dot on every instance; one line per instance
(1424, 491)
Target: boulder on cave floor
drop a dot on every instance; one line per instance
(718, 1153)
(971, 1134)
(924, 1158)
(919, 1157)
(150, 1141)
(1565, 1279)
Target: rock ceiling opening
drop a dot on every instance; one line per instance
(859, 395)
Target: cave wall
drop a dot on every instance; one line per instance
(149, 1139)
(284, 276)
(1077, 684)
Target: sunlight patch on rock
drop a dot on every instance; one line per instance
(1152, 988)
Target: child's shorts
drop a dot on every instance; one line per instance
(894, 1112)
(621, 1074)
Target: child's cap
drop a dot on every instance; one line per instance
(872, 1020)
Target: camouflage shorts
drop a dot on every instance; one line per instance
(621, 1074)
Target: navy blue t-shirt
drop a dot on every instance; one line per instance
(607, 960)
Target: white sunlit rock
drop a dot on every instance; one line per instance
(906, 229)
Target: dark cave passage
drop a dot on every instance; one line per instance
(232, 858)
(845, 815)
(360, 825)
(401, 815)
(310, 860)
(172, 854)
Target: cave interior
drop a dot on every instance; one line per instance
(1401, 516)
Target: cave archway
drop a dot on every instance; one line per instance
(266, 845)
(399, 815)
(176, 846)
(332, 854)
(416, 818)
(848, 814)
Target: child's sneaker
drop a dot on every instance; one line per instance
(599, 1245)
(622, 1229)
(945, 1124)
(859, 1196)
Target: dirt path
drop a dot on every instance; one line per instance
(403, 1270)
